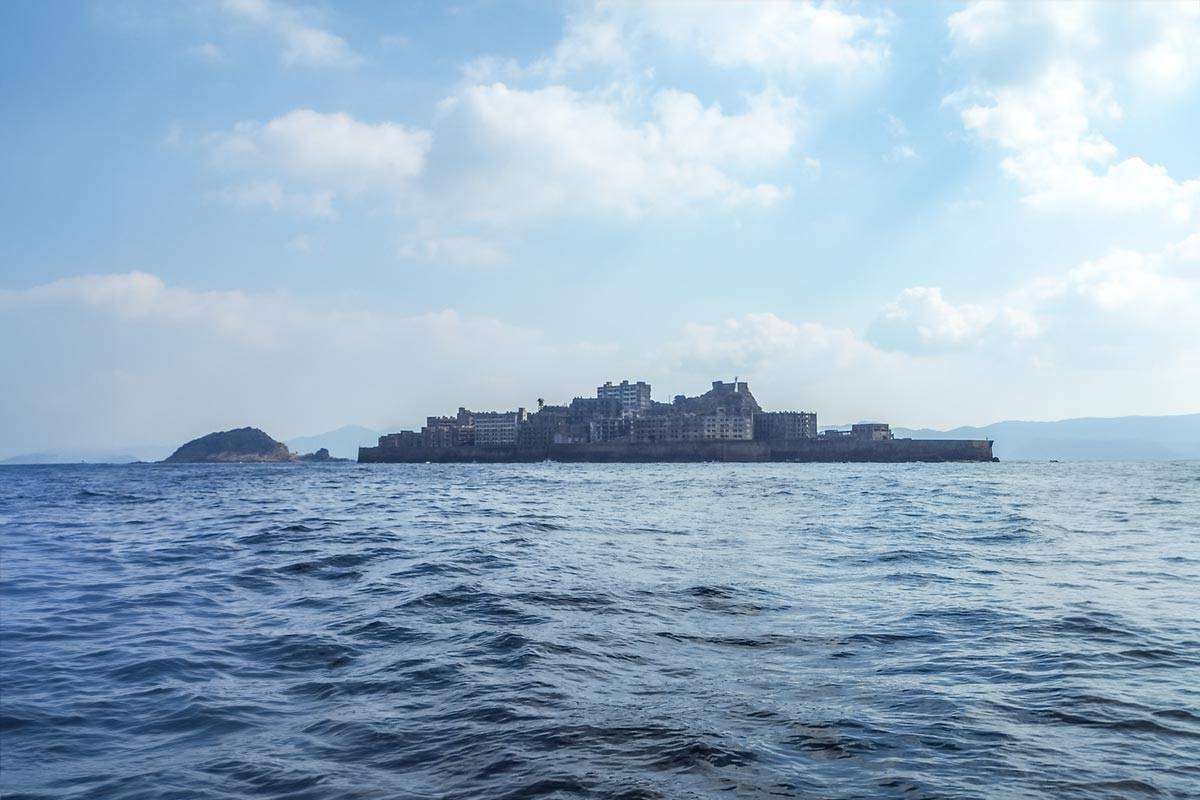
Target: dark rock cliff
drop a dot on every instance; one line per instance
(320, 456)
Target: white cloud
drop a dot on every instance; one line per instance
(1060, 162)
(986, 25)
(759, 340)
(762, 135)
(333, 147)
(305, 43)
(453, 250)
(592, 37)
(1124, 320)
(394, 41)
(324, 154)
(791, 37)
(143, 296)
(261, 320)
(511, 155)
(527, 154)
(963, 205)
(1044, 78)
(142, 351)
(921, 320)
(816, 367)
(1131, 295)
(273, 196)
(1052, 114)
(499, 157)
(207, 51)
(1153, 43)
(1187, 251)
(301, 243)
(895, 126)
(1126, 280)
(1162, 287)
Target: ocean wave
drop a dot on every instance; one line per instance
(600, 631)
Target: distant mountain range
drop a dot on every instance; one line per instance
(1083, 439)
(342, 443)
(124, 455)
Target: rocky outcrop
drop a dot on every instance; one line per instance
(321, 456)
(238, 445)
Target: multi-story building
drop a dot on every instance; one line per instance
(545, 427)
(728, 426)
(634, 397)
(404, 439)
(785, 425)
(440, 432)
(656, 428)
(727, 411)
(596, 419)
(456, 431)
(496, 428)
(606, 429)
(691, 427)
(584, 409)
(871, 431)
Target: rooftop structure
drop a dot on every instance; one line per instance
(737, 387)
(871, 431)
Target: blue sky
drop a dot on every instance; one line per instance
(301, 215)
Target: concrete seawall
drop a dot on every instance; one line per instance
(894, 450)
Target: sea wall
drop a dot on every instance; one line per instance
(894, 450)
(890, 450)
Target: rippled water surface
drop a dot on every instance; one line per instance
(637, 631)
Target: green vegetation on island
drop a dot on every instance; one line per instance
(241, 445)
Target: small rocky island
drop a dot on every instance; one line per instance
(241, 445)
(319, 456)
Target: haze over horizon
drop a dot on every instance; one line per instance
(303, 215)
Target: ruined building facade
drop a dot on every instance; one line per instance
(619, 412)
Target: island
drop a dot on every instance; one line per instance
(321, 456)
(623, 424)
(239, 446)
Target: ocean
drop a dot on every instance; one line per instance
(1011, 630)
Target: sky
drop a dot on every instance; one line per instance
(301, 215)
